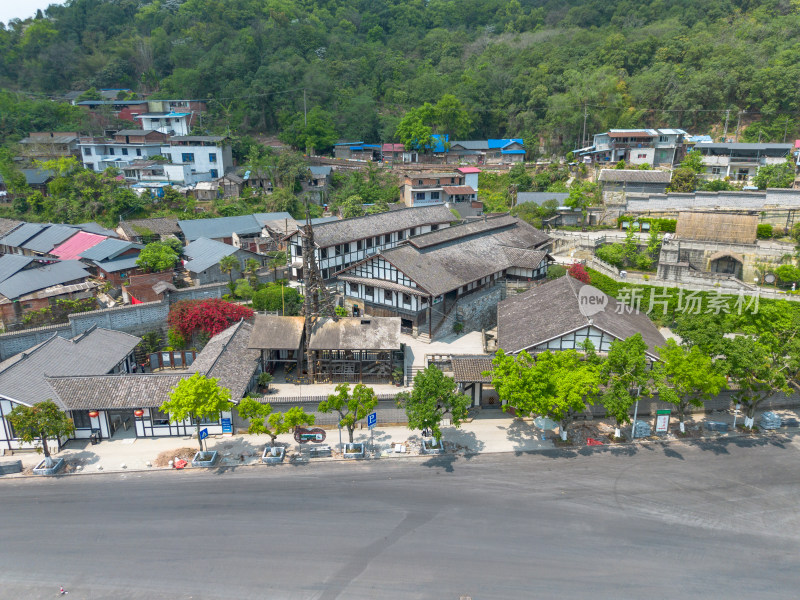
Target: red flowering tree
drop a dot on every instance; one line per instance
(578, 271)
(211, 316)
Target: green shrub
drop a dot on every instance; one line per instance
(555, 271)
(764, 231)
(613, 254)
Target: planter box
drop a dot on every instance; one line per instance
(716, 426)
(318, 451)
(205, 459)
(9, 468)
(40, 469)
(271, 459)
(429, 448)
(354, 451)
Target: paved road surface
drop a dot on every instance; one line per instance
(701, 521)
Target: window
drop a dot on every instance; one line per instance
(413, 231)
(387, 295)
(401, 235)
(298, 250)
(339, 250)
(419, 196)
(641, 155)
(716, 170)
(214, 174)
(369, 242)
(663, 138)
(138, 152)
(359, 245)
(90, 166)
(452, 180)
(81, 419)
(323, 253)
(423, 300)
(368, 290)
(434, 227)
(87, 151)
(325, 273)
(434, 195)
(387, 239)
(406, 299)
(111, 151)
(212, 157)
(437, 182)
(124, 152)
(158, 417)
(419, 182)
(353, 288)
(346, 247)
(187, 157)
(166, 121)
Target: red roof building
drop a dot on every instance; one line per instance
(77, 245)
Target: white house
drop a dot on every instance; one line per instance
(126, 146)
(171, 123)
(209, 154)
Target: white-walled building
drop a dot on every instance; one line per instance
(339, 244)
(125, 147)
(210, 154)
(171, 123)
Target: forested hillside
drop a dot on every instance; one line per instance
(521, 67)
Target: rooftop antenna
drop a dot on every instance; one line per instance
(318, 301)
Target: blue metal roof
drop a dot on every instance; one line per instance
(32, 280)
(356, 147)
(263, 218)
(348, 143)
(205, 253)
(512, 151)
(49, 238)
(22, 234)
(10, 264)
(108, 249)
(439, 142)
(502, 143)
(117, 264)
(222, 227)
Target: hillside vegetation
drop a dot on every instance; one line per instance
(521, 67)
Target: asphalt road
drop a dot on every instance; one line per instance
(703, 521)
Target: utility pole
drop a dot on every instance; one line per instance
(305, 112)
(585, 113)
(786, 130)
(738, 121)
(725, 131)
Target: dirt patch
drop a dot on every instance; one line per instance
(187, 454)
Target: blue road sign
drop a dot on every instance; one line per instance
(227, 426)
(372, 420)
(203, 434)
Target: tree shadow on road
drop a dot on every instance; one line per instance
(523, 435)
(444, 461)
(670, 453)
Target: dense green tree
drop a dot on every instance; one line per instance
(43, 421)
(433, 396)
(626, 377)
(351, 407)
(197, 397)
(775, 176)
(261, 419)
(313, 134)
(156, 257)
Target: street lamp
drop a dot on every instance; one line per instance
(635, 412)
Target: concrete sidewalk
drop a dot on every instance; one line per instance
(490, 432)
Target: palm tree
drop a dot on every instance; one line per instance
(251, 267)
(278, 260)
(227, 265)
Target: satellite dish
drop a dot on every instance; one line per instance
(769, 278)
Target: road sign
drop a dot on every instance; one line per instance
(227, 427)
(662, 421)
(203, 434)
(372, 420)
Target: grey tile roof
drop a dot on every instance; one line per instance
(37, 176)
(7, 225)
(50, 237)
(320, 171)
(471, 144)
(357, 228)
(227, 357)
(354, 333)
(541, 197)
(197, 138)
(204, 253)
(108, 249)
(222, 227)
(55, 139)
(276, 332)
(32, 280)
(470, 369)
(135, 132)
(634, 176)
(159, 226)
(475, 228)
(462, 259)
(100, 392)
(10, 264)
(551, 310)
(21, 234)
(94, 352)
(264, 218)
(383, 284)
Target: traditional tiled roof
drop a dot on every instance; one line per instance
(160, 226)
(357, 228)
(20, 235)
(634, 176)
(143, 390)
(470, 369)
(94, 352)
(227, 357)
(272, 332)
(541, 197)
(108, 249)
(551, 310)
(447, 259)
(454, 190)
(354, 333)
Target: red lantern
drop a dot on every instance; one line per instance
(138, 412)
(94, 414)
